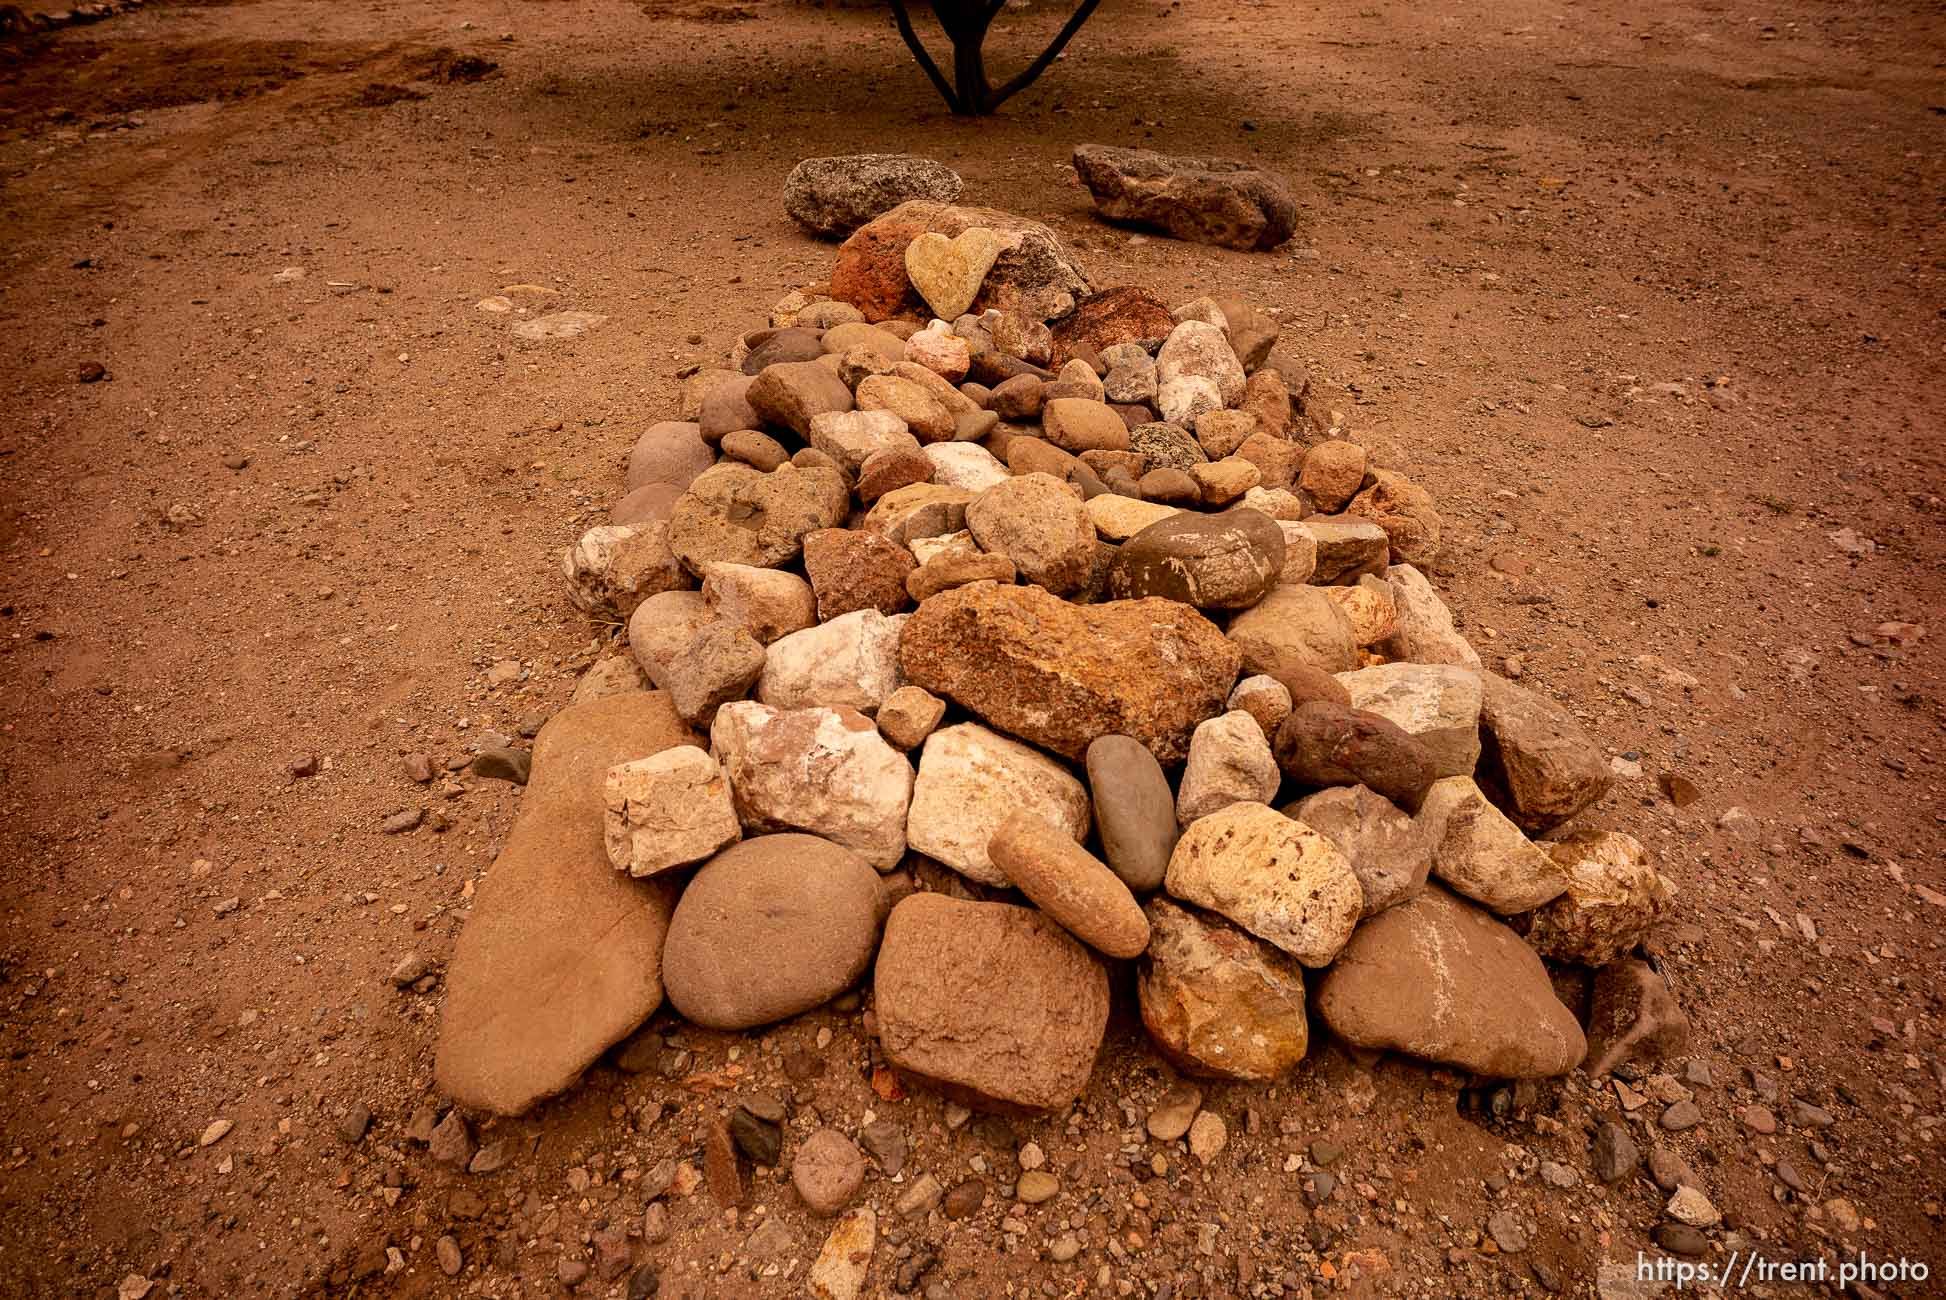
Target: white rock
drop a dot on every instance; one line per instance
(1279, 503)
(1483, 855)
(852, 661)
(1426, 633)
(850, 437)
(1185, 397)
(925, 548)
(1439, 704)
(1197, 349)
(964, 465)
(971, 780)
(1229, 762)
(1693, 1208)
(667, 810)
(612, 569)
(769, 603)
(823, 771)
(839, 1271)
(1277, 878)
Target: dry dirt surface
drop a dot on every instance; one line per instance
(1649, 295)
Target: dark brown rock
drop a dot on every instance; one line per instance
(555, 924)
(993, 1005)
(1207, 200)
(1222, 561)
(1059, 675)
(1632, 1016)
(1321, 744)
(775, 347)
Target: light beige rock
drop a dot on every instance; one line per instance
(954, 543)
(1278, 503)
(952, 399)
(1333, 472)
(965, 465)
(1426, 633)
(970, 781)
(1346, 548)
(918, 510)
(666, 811)
(1264, 698)
(661, 626)
(1436, 704)
(1294, 626)
(1483, 855)
(825, 771)
(1197, 349)
(839, 1271)
(1300, 553)
(1039, 523)
(768, 603)
(1277, 878)
(1078, 424)
(946, 355)
(1224, 481)
(852, 661)
(850, 437)
(948, 273)
(1614, 896)
(1118, 518)
(924, 415)
(1229, 762)
(612, 569)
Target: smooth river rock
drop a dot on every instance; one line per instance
(1069, 884)
(1135, 811)
(1221, 561)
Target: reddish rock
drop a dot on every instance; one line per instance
(721, 1173)
(851, 569)
(1322, 744)
(1058, 675)
(1101, 320)
(870, 274)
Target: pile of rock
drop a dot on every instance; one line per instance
(1007, 639)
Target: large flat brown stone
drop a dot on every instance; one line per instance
(562, 954)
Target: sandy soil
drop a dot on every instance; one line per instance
(1649, 295)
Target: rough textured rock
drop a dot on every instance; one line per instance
(1195, 350)
(718, 664)
(970, 781)
(827, 1171)
(672, 452)
(1632, 1017)
(1614, 895)
(922, 413)
(1368, 608)
(1207, 200)
(741, 515)
(766, 603)
(1405, 511)
(1333, 472)
(852, 661)
(825, 771)
(1224, 561)
(1484, 856)
(1346, 548)
(555, 925)
(611, 570)
(1389, 851)
(1135, 811)
(1189, 399)
(1426, 633)
(965, 465)
(1264, 698)
(769, 928)
(949, 270)
(1035, 276)
(1039, 523)
(1294, 627)
(1436, 704)
(1275, 877)
(1059, 675)
(845, 1259)
(993, 1005)
(1070, 884)
(956, 568)
(790, 394)
(667, 810)
(1536, 763)
(909, 715)
(1166, 446)
(1439, 979)
(870, 270)
(1229, 762)
(832, 197)
(1125, 314)
(851, 437)
(1300, 553)
(1219, 1003)
(851, 569)
(1325, 744)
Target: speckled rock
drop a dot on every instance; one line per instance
(1277, 878)
(1390, 852)
(970, 781)
(1218, 1002)
(825, 771)
(1614, 896)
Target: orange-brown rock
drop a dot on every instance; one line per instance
(1124, 314)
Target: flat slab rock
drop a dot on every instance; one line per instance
(555, 925)
(1059, 675)
(994, 1005)
(834, 196)
(1206, 200)
(1440, 979)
